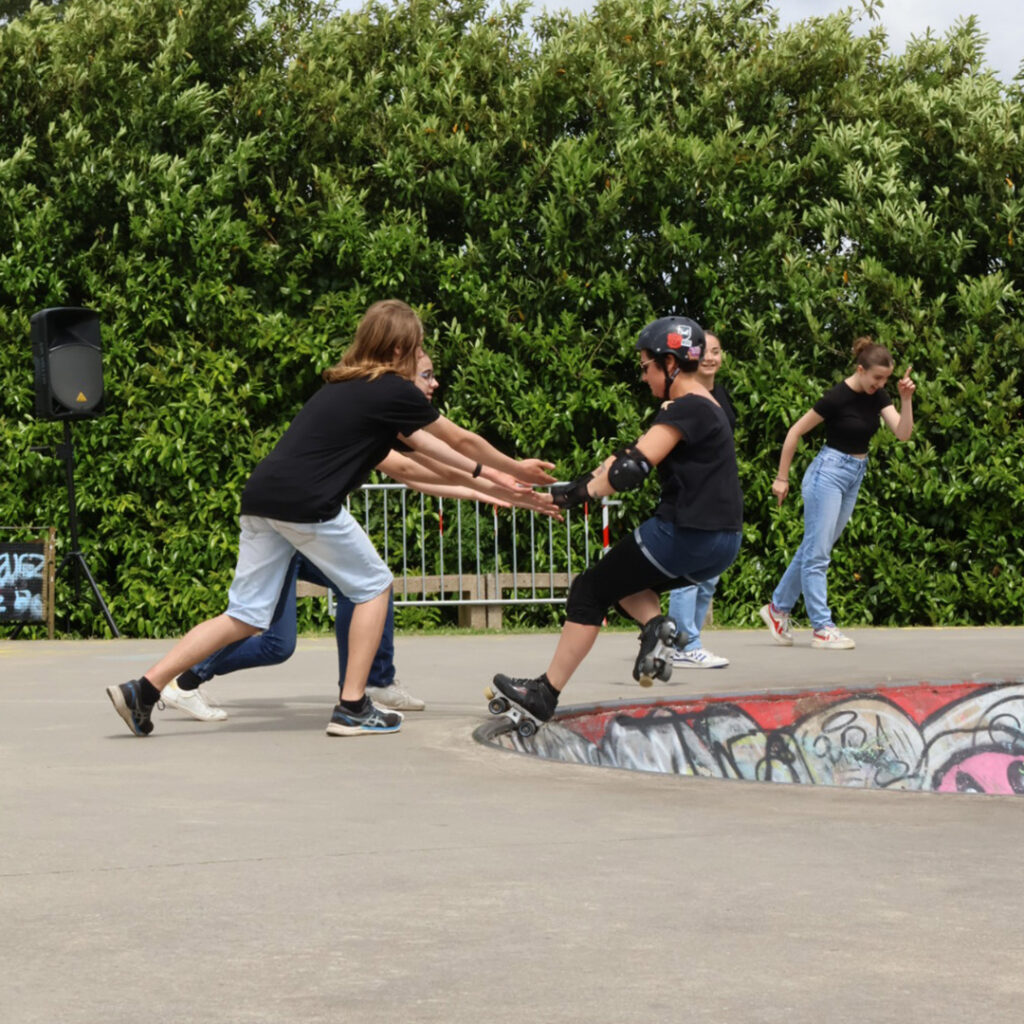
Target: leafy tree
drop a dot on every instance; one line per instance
(232, 188)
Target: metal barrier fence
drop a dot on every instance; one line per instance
(473, 555)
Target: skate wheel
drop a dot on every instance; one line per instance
(665, 671)
(498, 706)
(526, 728)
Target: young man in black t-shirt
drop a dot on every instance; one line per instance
(295, 501)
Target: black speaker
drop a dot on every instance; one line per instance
(68, 361)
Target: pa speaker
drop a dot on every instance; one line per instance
(68, 361)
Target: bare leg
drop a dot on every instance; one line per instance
(576, 640)
(364, 633)
(642, 606)
(197, 644)
(574, 645)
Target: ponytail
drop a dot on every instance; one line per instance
(868, 354)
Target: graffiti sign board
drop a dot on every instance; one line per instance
(26, 582)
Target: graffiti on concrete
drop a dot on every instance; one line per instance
(962, 737)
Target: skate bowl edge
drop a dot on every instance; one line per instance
(947, 737)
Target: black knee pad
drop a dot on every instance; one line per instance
(583, 605)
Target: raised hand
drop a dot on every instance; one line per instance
(906, 386)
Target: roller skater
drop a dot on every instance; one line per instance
(527, 702)
(657, 643)
(694, 533)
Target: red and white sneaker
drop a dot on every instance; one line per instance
(830, 638)
(778, 622)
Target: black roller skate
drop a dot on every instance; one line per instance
(657, 641)
(527, 703)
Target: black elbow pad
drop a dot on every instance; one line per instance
(629, 470)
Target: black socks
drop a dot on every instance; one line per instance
(188, 680)
(148, 692)
(354, 705)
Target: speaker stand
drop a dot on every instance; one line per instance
(74, 559)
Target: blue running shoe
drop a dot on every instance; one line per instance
(127, 701)
(368, 719)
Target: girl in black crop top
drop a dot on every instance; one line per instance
(852, 412)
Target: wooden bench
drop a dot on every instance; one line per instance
(479, 598)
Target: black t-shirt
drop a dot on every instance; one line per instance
(721, 396)
(331, 446)
(851, 417)
(700, 485)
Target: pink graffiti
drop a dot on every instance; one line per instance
(990, 771)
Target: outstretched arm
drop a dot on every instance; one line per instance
(475, 448)
(628, 467)
(434, 465)
(413, 475)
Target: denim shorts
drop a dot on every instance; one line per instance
(338, 548)
(685, 554)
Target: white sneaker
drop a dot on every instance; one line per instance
(394, 697)
(191, 702)
(830, 637)
(698, 658)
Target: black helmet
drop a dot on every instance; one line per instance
(676, 335)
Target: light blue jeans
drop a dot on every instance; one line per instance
(688, 608)
(830, 487)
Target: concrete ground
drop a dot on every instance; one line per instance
(258, 871)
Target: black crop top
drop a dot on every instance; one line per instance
(851, 417)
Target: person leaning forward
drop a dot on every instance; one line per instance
(295, 501)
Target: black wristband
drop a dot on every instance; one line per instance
(479, 469)
(570, 495)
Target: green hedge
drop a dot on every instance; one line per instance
(231, 190)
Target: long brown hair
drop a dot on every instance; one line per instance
(387, 340)
(867, 353)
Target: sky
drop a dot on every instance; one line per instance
(1001, 20)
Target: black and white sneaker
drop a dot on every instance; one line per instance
(535, 696)
(368, 719)
(127, 701)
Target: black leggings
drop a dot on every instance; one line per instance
(623, 571)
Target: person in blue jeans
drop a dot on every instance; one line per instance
(276, 644)
(852, 412)
(688, 606)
